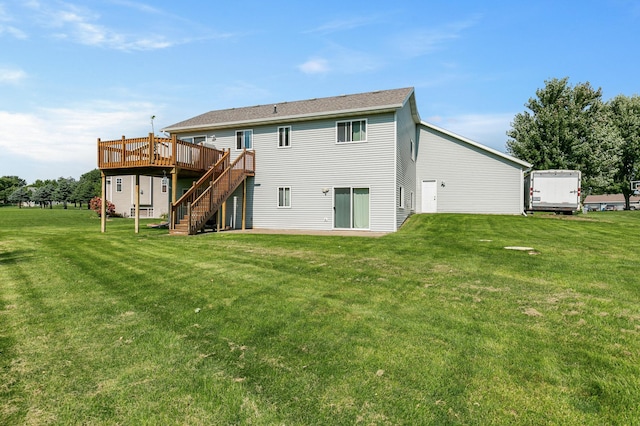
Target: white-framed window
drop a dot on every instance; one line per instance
(284, 137)
(196, 140)
(401, 196)
(118, 184)
(413, 150)
(164, 185)
(412, 201)
(244, 139)
(351, 131)
(284, 197)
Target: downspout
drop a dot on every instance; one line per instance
(523, 211)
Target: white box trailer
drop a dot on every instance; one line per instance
(552, 191)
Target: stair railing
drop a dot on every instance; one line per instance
(211, 198)
(180, 209)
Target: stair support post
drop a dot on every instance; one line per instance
(224, 214)
(189, 218)
(244, 202)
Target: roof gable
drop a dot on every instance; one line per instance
(521, 163)
(379, 101)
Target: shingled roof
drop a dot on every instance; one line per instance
(335, 106)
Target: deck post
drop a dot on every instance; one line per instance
(100, 159)
(103, 207)
(174, 150)
(137, 198)
(152, 156)
(244, 202)
(124, 150)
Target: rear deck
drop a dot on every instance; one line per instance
(217, 175)
(155, 156)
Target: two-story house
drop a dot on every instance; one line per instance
(363, 161)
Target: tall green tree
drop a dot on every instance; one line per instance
(625, 117)
(43, 195)
(88, 187)
(20, 195)
(64, 189)
(567, 128)
(8, 184)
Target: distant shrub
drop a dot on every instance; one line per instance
(96, 205)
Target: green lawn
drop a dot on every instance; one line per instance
(435, 324)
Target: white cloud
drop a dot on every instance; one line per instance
(142, 7)
(81, 25)
(337, 58)
(66, 138)
(11, 76)
(13, 31)
(422, 41)
(315, 66)
(9, 29)
(343, 25)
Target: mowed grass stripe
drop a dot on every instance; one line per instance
(434, 324)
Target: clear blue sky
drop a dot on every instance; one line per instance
(74, 71)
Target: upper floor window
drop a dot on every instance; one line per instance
(244, 139)
(284, 137)
(352, 131)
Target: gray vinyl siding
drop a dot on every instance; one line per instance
(151, 195)
(315, 163)
(475, 181)
(405, 166)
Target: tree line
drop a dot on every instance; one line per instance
(571, 127)
(44, 193)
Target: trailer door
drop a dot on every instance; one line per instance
(560, 189)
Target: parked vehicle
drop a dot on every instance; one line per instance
(552, 191)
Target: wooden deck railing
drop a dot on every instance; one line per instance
(206, 196)
(154, 151)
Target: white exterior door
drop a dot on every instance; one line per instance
(429, 196)
(146, 190)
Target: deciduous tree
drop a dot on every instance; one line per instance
(567, 128)
(88, 187)
(625, 117)
(8, 184)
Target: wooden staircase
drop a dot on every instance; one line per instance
(201, 202)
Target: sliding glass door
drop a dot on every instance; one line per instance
(351, 208)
